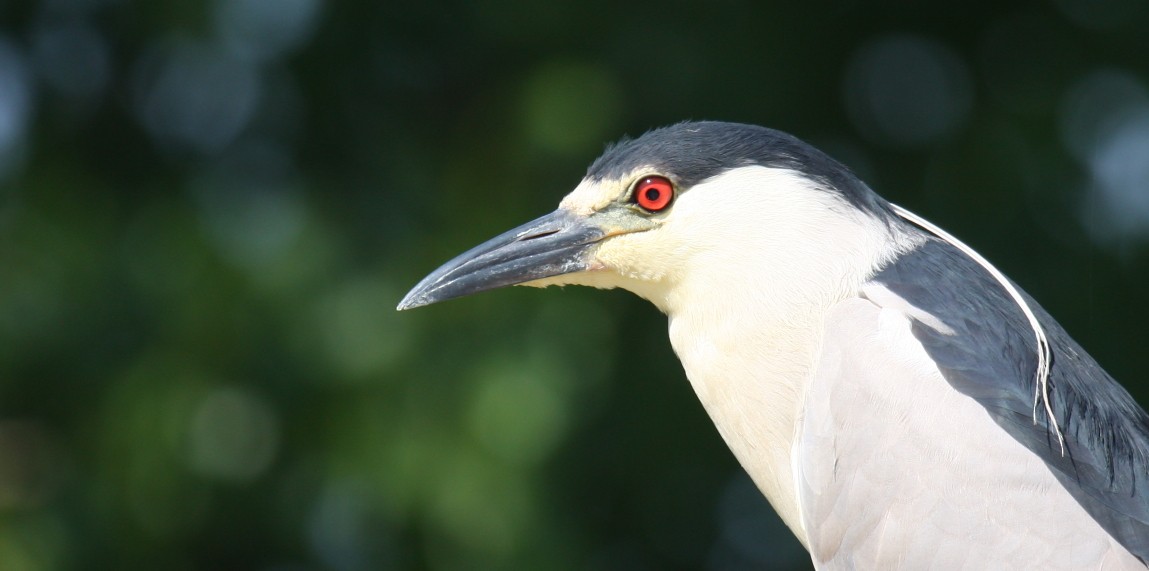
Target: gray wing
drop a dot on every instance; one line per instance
(1106, 461)
(917, 451)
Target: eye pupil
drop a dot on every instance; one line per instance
(654, 193)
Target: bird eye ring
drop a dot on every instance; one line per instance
(653, 193)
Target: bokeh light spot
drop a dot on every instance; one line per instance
(250, 206)
(260, 30)
(906, 91)
(73, 58)
(1104, 122)
(1120, 169)
(1097, 105)
(15, 106)
(480, 504)
(234, 435)
(195, 96)
(361, 333)
(338, 529)
(570, 107)
(516, 412)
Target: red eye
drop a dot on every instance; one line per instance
(653, 193)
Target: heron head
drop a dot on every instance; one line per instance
(712, 205)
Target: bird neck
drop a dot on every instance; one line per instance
(749, 340)
(752, 385)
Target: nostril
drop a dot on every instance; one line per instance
(539, 235)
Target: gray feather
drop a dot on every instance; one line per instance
(991, 357)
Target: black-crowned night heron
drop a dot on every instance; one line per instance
(897, 399)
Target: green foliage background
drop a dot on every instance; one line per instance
(208, 211)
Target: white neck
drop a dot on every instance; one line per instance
(748, 335)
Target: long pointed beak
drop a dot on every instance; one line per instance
(555, 244)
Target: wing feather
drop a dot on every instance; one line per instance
(985, 351)
(914, 446)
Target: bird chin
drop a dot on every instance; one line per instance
(596, 278)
